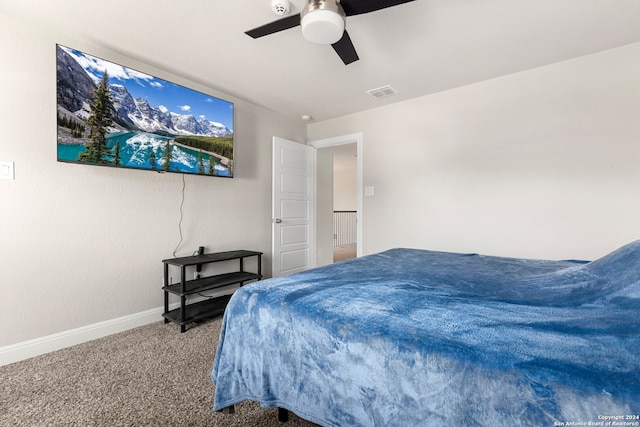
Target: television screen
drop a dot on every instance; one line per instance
(111, 115)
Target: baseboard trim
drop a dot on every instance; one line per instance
(35, 347)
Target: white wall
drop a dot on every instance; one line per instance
(345, 190)
(345, 178)
(324, 206)
(542, 163)
(82, 244)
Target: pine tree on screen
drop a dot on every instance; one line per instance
(99, 122)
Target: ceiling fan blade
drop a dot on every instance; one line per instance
(345, 50)
(358, 7)
(275, 26)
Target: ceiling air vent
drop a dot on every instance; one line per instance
(382, 92)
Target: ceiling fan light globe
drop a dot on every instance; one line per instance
(322, 26)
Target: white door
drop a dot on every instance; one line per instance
(293, 206)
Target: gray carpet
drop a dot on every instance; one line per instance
(148, 376)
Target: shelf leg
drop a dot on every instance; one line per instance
(283, 415)
(166, 294)
(183, 299)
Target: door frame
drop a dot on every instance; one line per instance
(356, 138)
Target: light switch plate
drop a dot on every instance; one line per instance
(6, 170)
(369, 190)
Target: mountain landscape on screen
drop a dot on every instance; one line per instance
(111, 115)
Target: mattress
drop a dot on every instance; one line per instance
(417, 337)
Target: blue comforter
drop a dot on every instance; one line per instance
(411, 337)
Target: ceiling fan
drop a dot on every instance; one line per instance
(323, 22)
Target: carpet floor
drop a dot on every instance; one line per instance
(148, 376)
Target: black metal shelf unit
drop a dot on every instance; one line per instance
(203, 310)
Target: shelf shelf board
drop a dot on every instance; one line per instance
(199, 311)
(207, 258)
(211, 282)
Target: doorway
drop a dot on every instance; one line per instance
(347, 150)
(345, 201)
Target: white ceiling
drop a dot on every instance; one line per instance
(419, 47)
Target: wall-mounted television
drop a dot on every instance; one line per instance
(111, 115)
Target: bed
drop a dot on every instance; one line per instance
(411, 337)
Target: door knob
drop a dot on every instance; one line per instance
(277, 221)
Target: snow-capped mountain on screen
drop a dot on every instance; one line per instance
(75, 91)
(139, 113)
